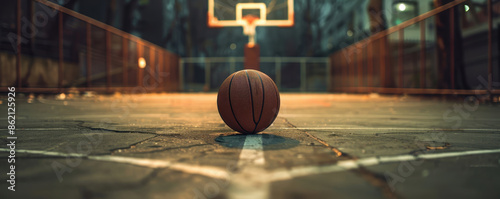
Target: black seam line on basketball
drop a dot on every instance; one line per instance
(251, 98)
(263, 101)
(231, 105)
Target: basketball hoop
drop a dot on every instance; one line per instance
(218, 17)
(230, 13)
(249, 28)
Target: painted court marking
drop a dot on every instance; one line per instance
(208, 171)
(245, 184)
(39, 129)
(277, 175)
(318, 128)
(388, 129)
(252, 152)
(364, 162)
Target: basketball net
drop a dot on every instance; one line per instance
(249, 28)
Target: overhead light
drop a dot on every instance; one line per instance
(402, 7)
(350, 33)
(142, 62)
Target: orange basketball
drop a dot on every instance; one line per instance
(248, 101)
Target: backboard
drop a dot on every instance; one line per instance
(222, 13)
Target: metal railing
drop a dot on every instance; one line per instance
(386, 62)
(297, 74)
(56, 48)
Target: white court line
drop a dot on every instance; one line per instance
(253, 181)
(245, 185)
(19, 117)
(252, 152)
(209, 171)
(456, 154)
(386, 129)
(353, 164)
(39, 129)
(317, 128)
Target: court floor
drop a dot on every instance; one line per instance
(320, 146)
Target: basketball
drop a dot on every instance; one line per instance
(248, 101)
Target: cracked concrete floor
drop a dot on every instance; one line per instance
(320, 146)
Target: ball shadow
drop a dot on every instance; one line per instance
(269, 142)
